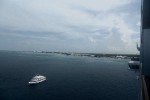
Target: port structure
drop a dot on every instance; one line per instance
(145, 51)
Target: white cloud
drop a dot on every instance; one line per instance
(92, 40)
(67, 21)
(138, 24)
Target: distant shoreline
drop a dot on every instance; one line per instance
(98, 55)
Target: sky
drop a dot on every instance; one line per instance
(94, 26)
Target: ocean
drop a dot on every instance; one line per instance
(68, 77)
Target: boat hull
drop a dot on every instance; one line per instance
(37, 79)
(134, 64)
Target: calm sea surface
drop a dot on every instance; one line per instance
(68, 77)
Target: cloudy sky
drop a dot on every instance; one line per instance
(101, 26)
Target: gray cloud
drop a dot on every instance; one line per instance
(68, 25)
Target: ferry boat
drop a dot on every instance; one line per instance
(134, 63)
(37, 79)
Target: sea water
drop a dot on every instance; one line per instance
(68, 77)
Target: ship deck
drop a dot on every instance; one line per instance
(146, 87)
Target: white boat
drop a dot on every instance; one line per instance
(37, 79)
(134, 64)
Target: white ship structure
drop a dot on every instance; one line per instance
(37, 79)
